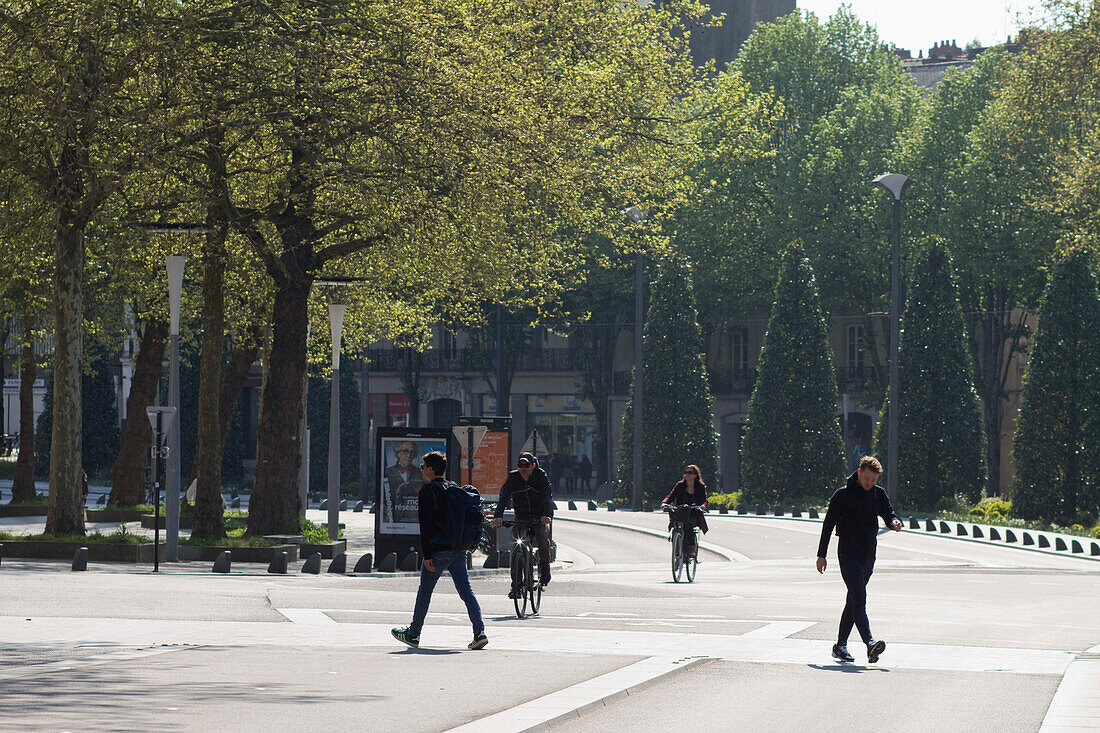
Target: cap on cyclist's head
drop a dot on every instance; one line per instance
(526, 459)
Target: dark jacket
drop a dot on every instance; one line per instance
(432, 508)
(531, 498)
(680, 495)
(854, 513)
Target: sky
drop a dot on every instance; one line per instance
(919, 25)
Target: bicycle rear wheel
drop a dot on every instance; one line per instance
(519, 580)
(534, 587)
(677, 553)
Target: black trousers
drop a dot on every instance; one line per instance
(541, 538)
(856, 571)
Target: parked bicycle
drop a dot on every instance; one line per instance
(526, 589)
(680, 516)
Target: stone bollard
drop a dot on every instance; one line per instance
(977, 532)
(1060, 544)
(101, 500)
(945, 528)
(914, 523)
(236, 503)
(343, 506)
(994, 534)
(313, 564)
(1043, 541)
(759, 510)
(278, 564)
(742, 509)
(365, 564)
(1028, 539)
(960, 530)
(1094, 550)
(572, 506)
(223, 562)
(813, 513)
(777, 510)
(610, 506)
(1010, 536)
(492, 560)
(324, 505)
(723, 509)
(591, 506)
(1077, 546)
(796, 512)
(504, 559)
(411, 562)
(1, 553)
(339, 564)
(80, 559)
(373, 508)
(358, 506)
(929, 525)
(388, 564)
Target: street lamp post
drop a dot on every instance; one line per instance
(336, 322)
(896, 184)
(174, 264)
(637, 216)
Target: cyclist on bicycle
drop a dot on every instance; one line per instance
(690, 490)
(528, 489)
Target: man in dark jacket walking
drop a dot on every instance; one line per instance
(528, 490)
(853, 512)
(439, 555)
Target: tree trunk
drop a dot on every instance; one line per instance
(22, 488)
(240, 361)
(65, 513)
(128, 471)
(209, 520)
(273, 508)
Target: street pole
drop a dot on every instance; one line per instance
(500, 360)
(637, 216)
(336, 322)
(364, 428)
(175, 265)
(896, 184)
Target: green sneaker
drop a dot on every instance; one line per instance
(479, 642)
(402, 635)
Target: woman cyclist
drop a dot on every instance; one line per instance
(690, 490)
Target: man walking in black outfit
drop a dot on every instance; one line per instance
(853, 512)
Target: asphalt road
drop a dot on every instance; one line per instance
(979, 638)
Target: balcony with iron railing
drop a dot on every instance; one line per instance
(470, 360)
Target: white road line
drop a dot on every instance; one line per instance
(778, 629)
(576, 700)
(315, 616)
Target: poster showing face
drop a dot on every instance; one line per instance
(399, 459)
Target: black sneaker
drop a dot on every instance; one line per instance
(513, 594)
(479, 642)
(402, 635)
(874, 649)
(841, 653)
(544, 582)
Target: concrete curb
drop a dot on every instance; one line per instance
(723, 552)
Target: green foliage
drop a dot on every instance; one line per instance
(940, 436)
(1056, 451)
(729, 501)
(991, 509)
(792, 442)
(316, 534)
(99, 419)
(319, 397)
(120, 536)
(678, 420)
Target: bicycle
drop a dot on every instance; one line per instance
(525, 566)
(680, 516)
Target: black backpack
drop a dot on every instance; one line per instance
(464, 519)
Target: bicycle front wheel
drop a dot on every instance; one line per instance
(691, 563)
(534, 587)
(677, 554)
(519, 580)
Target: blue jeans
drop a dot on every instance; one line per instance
(455, 562)
(856, 571)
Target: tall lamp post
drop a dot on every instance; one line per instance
(174, 264)
(896, 184)
(336, 322)
(637, 216)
